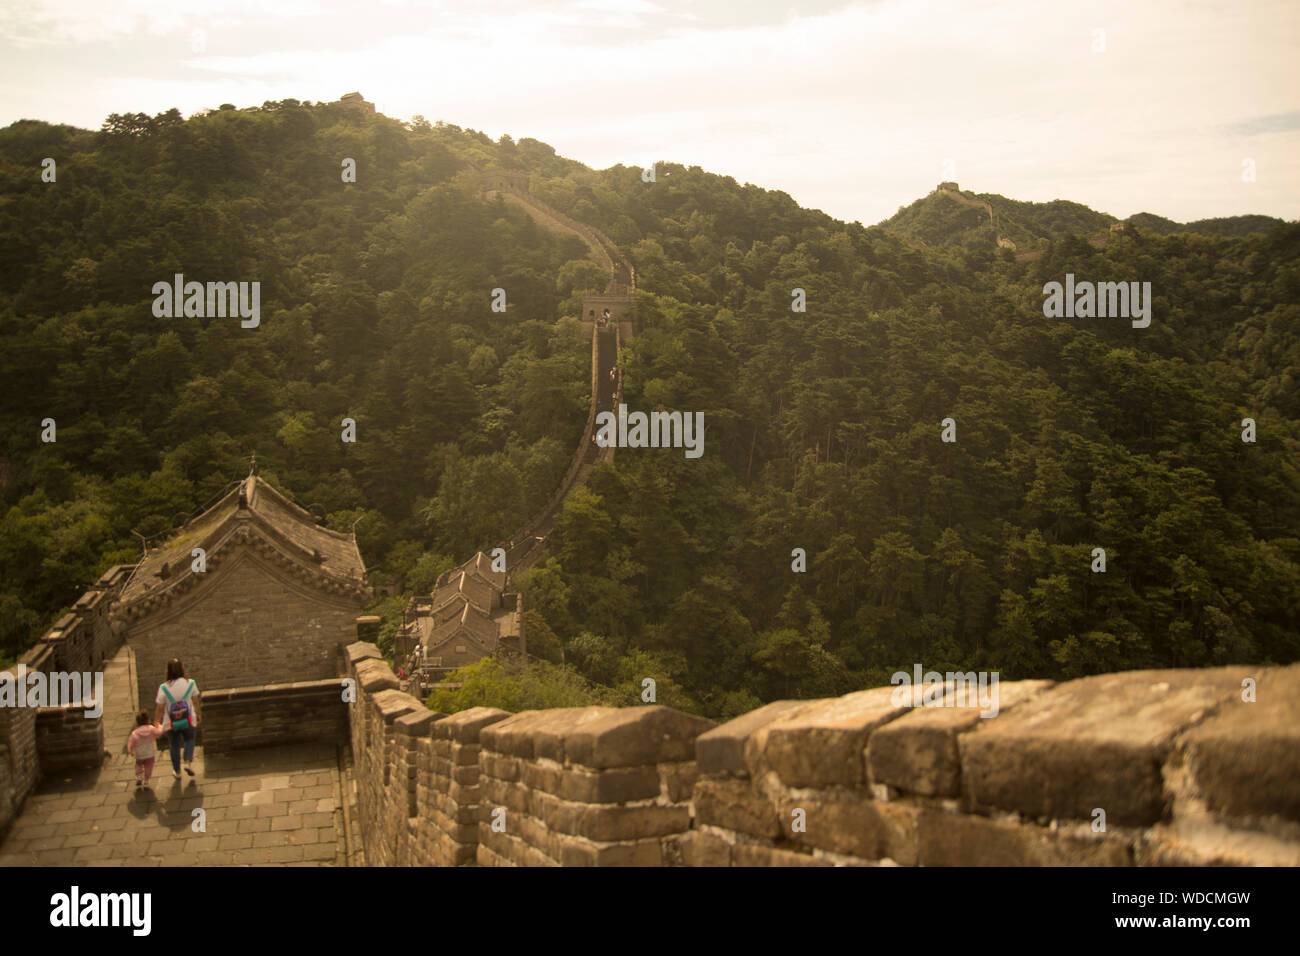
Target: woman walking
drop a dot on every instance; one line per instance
(178, 710)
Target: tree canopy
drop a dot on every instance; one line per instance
(823, 428)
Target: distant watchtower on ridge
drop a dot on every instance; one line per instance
(357, 101)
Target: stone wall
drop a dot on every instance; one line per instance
(1184, 770)
(594, 786)
(381, 799)
(524, 549)
(448, 794)
(80, 641)
(225, 640)
(587, 786)
(67, 739)
(241, 718)
(84, 639)
(20, 769)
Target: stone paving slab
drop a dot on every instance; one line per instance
(99, 818)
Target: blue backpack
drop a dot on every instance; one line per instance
(179, 712)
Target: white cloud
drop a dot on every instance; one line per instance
(74, 22)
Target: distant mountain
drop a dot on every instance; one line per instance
(1222, 226)
(950, 217)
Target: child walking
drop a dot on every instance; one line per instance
(143, 743)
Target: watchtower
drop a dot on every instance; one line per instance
(620, 313)
(357, 101)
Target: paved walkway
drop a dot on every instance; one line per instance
(270, 806)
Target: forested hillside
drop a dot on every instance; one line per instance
(1224, 226)
(941, 220)
(375, 307)
(822, 428)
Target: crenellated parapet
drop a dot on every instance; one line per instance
(35, 741)
(1141, 768)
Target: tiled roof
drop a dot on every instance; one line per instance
(472, 623)
(479, 566)
(447, 604)
(475, 590)
(338, 549)
(252, 510)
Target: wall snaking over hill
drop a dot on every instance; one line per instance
(1184, 770)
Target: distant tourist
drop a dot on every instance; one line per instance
(143, 745)
(178, 709)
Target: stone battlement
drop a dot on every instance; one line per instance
(32, 740)
(1181, 768)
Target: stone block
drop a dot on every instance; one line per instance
(853, 824)
(499, 767)
(1164, 845)
(753, 854)
(498, 793)
(392, 704)
(466, 725)
(678, 779)
(463, 795)
(703, 848)
(734, 804)
(514, 735)
(632, 736)
(611, 823)
(917, 753)
(360, 651)
(416, 723)
(1097, 742)
(374, 676)
(465, 755)
(722, 749)
(1245, 760)
(488, 857)
(552, 737)
(577, 852)
(822, 744)
(533, 844)
(958, 839)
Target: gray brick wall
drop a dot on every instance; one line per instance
(249, 626)
(66, 739)
(244, 718)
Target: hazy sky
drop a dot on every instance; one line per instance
(849, 107)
